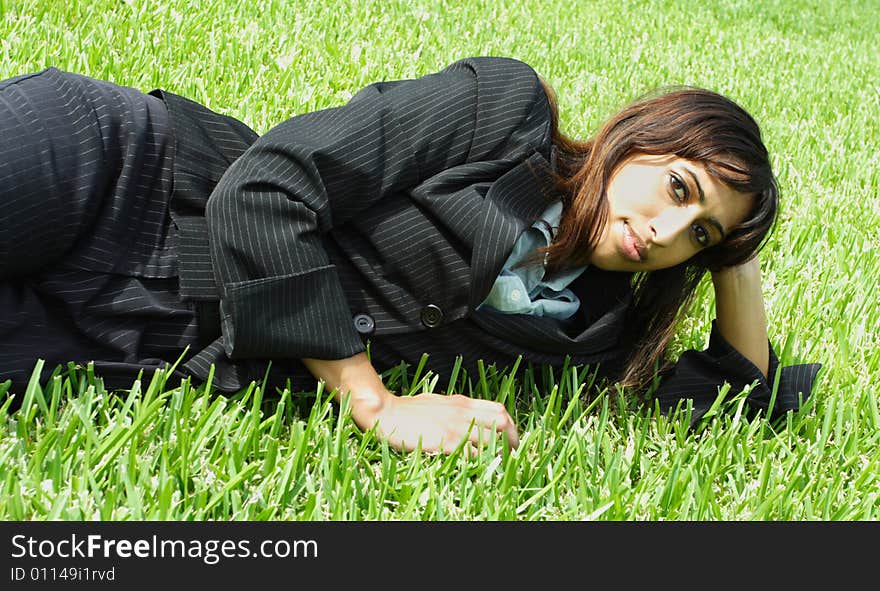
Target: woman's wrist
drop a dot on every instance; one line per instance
(749, 271)
(366, 404)
(355, 378)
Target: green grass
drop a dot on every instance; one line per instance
(808, 72)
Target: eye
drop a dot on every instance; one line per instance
(701, 235)
(678, 188)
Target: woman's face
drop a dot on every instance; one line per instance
(662, 211)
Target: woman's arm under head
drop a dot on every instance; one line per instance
(739, 309)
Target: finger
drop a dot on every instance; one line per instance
(512, 435)
(480, 435)
(471, 437)
(508, 430)
(495, 414)
(488, 411)
(482, 438)
(449, 447)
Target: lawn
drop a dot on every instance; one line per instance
(808, 71)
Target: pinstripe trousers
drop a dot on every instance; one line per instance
(88, 268)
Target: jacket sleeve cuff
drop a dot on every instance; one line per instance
(281, 318)
(698, 375)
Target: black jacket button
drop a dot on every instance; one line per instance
(431, 316)
(364, 323)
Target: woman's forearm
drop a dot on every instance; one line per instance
(739, 310)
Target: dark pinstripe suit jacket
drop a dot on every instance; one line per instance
(387, 220)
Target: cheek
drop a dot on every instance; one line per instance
(673, 255)
(634, 191)
(618, 198)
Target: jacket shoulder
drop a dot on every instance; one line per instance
(488, 63)
(512, 108)
(501, 72)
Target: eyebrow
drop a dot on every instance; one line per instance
(711, 219)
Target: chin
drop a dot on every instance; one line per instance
(614, 262)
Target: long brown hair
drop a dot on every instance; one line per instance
(691, 123)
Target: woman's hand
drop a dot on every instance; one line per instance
(739, 311)
(441, 422)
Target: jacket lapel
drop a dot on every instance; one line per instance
(511, 205)
(548, 335)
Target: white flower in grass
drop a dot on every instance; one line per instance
(256, 496)
(251, 30)
(305, 93)
(750, 486)
(210, 477)
(284, 61)
(356, 51)
(87, 503)
(629, 451)
(46, 486)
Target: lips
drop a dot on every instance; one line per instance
(633, 245)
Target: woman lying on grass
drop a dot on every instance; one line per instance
(444, 215)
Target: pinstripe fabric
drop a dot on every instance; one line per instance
(205, 143)
(398, 208)
(87, 256)
(698, 374)
(91, 160)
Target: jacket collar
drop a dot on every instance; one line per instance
(510, 206)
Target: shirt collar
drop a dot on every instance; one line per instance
(548, 223)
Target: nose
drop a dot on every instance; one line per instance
(672, 222)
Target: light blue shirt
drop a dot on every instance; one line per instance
(523, 290)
